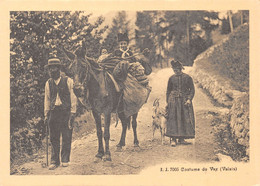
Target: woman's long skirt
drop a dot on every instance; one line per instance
(180, 122)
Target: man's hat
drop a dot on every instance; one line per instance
(53, 62)
(176, 64)
(122, 37)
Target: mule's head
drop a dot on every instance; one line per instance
(79, 69)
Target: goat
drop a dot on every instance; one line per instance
(159, 120)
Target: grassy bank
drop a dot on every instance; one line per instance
(223, 72)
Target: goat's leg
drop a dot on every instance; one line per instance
(162, 135)
(97, 118)
(134, 125)
(163, 138)
(107, 156)
(164, 132)
(154, 127)
(124, 122)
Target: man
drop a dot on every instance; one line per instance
(59, 111)
(180, 117)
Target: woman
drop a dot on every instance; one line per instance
(180, 119)
(123, 50)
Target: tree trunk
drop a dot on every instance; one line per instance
(230, 21)
(167, 49)
(160, 54)
(188, 38)
(242, 17)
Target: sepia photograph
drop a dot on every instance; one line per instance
(160, 92)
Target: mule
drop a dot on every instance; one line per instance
(92, 82)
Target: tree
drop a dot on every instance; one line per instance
(236, 18)
(187, 26)
(151, 33)
(230, 21)
(33, 37)
(174, 33)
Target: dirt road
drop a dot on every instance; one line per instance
(132, 160)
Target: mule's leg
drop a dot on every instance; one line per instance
(107, 137)
(134, 125)
(124, 122)
(97, 118)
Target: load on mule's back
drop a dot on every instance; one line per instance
(103, 86)
(131, 73)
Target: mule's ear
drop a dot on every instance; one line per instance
(69, 54)
(81, 51)
(154, 102)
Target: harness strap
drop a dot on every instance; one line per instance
(114, 81)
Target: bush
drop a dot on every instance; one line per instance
(27, 140)
(33, 37)
(226, 142)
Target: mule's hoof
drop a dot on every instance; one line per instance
(120, 145)
(98, 157)
(119, 149)
(97, 160)
(107, 158)
(136, 143)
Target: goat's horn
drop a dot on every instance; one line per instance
(155, 101)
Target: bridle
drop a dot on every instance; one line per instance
(89, 72)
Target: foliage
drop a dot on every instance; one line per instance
(27, 140)
(33, 38)
(151, 34)
(238, 18)
(225, 27)
(226, 142)
(191, 33)
(175, 34)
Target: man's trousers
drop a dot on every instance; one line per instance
(58, 125)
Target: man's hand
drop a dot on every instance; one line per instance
(71, 120)
(46, 118)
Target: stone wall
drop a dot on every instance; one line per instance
(209, 76)
(239, 120)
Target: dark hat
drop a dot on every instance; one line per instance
(176, 64)
(122, 37)
(53, 61)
